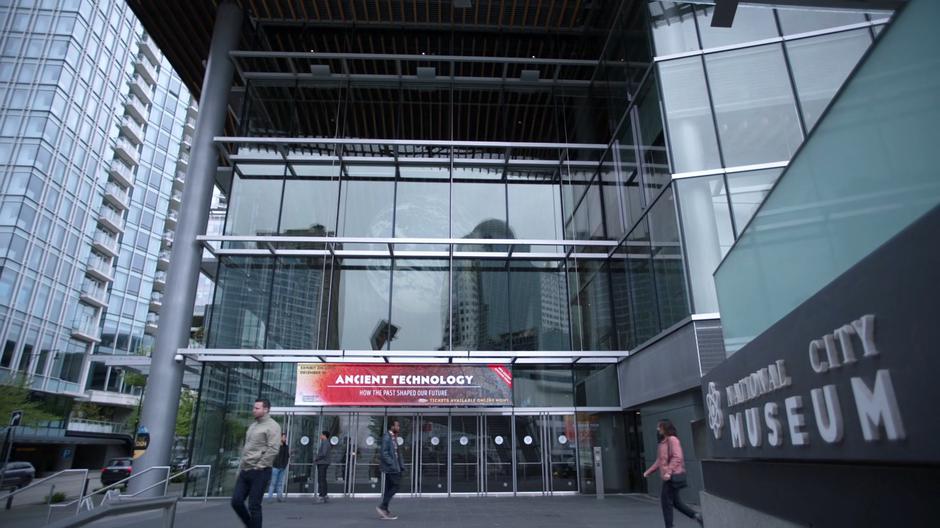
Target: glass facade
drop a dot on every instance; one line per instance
(864, 175)
(91, 118)
(737, 108)
(451, 203)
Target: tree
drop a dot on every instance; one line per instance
(15, 396)
(184, 415)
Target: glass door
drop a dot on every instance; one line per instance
(367, 444)
(465, 447)
(562, 452)
(530, 456)
(497, 454)
(433, 454)
(337, 474)
(302, 437)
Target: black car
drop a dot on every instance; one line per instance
(117, 469)
(17, 475)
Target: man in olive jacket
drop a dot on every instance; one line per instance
(391, 464)
(262, 443)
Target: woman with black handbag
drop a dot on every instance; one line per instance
(671, 466)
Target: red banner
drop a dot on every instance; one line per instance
(395, 385)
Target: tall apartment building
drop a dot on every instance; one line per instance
(95, 131)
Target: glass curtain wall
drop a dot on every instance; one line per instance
(737, 108)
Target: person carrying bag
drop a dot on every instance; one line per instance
(671, 465)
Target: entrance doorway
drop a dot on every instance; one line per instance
(443, 453)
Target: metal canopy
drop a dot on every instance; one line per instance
(220, 355)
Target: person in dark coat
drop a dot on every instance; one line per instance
(322, 461)
(392, 466)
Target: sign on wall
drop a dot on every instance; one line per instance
(402, 385)
(848, 375)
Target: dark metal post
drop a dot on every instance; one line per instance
(161, 397)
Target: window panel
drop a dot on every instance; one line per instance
(362, 301)
(688, 115)
(706, 226)
(755, 111)
(820, 67)
(420, 305)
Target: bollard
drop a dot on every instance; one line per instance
(598, 473)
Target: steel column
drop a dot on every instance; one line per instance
(161, 398)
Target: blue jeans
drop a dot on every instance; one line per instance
(277, 483)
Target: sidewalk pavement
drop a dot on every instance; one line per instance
(627, 511)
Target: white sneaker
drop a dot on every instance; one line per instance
(381, 512)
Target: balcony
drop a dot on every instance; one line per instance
(192, 110)
(190, 125)
(146, 70)
(168, 238)
(94, 293)
(141, 90)
(159, 280)
(100, 268)
(106, 243)
(176, 198)
(151, 326)
(156, 301)
(149, 49)
(126, 150)
(108, 398)
(187, 141)
(116, 195)
(183, 162)
(163, 259)
(111, 219)
(136, 109)
(86, 330)
(132, 130)
(179, 180)
(172, 218)
(121, 173)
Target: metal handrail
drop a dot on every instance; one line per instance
(79, 501)
(166, 481)
(44, 481)
(164, 503)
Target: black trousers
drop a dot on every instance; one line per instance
(251, 484)
(392, 482)
(321, 479)
(669, 498)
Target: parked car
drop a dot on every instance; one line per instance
(180, 464)
(116, 470)
(17, 475)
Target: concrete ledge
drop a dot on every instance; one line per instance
(722, 512)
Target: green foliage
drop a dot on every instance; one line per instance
(184, 415)
(15, 396)
(134, 379)
(92, 411)
(57, 497)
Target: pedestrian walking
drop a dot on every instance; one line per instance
(392, 466)
(262, 443)
(322, 461)
(279, 469)
(671, 466)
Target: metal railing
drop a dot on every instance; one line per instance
(167, 504)
(9, 496)
(166, 482)
(85, 499)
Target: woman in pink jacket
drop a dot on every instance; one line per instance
(671, 464)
